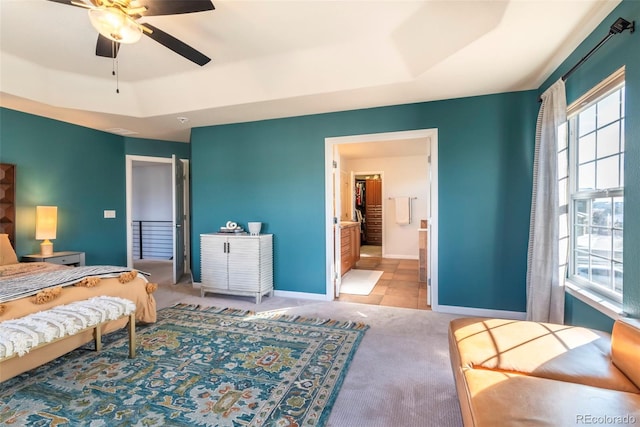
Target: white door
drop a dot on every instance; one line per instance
(244, 263)
(178, 219)
(214, 261)
(337, 246)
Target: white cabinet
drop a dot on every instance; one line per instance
(236, 264)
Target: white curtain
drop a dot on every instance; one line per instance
(545, 290)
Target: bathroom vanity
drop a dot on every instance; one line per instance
(349, 245)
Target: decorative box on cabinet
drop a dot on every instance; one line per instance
(236, 264)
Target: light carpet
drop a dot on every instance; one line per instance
(198, 367)
(401, 374)
(359, 282)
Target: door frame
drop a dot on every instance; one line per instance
(336, 205)
(331, 269)
(178, 181)
(129, 159)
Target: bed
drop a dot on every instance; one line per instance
(31, 287)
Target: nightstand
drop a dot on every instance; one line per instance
(75, 259)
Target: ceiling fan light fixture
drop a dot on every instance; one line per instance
(115, 25)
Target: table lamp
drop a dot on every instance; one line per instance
(46, 221)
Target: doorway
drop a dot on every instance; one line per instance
(367, 202)
(157, 217)
(394, 141)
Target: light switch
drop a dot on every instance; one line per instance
(109, 214)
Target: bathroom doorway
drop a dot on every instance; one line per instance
(337, 155)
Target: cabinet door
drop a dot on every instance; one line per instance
(355, 242)
(373, 192)
(346, 246)
(214, 261)
(244, 263)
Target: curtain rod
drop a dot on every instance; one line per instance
(618, 27)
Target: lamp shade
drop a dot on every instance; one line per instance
(46, 222)
(115, 25)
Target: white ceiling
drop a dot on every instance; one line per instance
(282, 58)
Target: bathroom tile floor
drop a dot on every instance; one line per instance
(397, 287)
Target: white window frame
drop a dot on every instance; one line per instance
(606, 300)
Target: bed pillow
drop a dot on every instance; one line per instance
(7, 254)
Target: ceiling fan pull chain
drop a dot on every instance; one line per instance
(117, 77)
(114, 67)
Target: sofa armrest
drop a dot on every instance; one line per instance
(625, 348)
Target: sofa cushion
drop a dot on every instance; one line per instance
(558, 352)
(625, 348)
(508, 399)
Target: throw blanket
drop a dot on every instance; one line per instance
(19, 287)
(18, 336)
(28, 268)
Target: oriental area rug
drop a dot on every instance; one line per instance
(194, 367)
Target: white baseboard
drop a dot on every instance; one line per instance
(301, 295)
(450, 309)
(392, 256)
(287, 294)
(480, 312)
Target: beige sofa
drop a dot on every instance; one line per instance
(519, 373)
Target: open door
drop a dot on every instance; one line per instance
(179, 253)
(337, 246)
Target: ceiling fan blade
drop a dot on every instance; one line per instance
(174, 7)
(179, 47)
(106, 47)
(68, 2)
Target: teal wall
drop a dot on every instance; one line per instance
(578, 313)
(621, 50)
(80, 170)
(274, 171)
(155, 148)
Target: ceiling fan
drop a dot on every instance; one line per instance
(117, 22)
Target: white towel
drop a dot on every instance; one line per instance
(403, 210)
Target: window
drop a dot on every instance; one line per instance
(595, 143)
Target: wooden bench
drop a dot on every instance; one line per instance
(20, 336)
